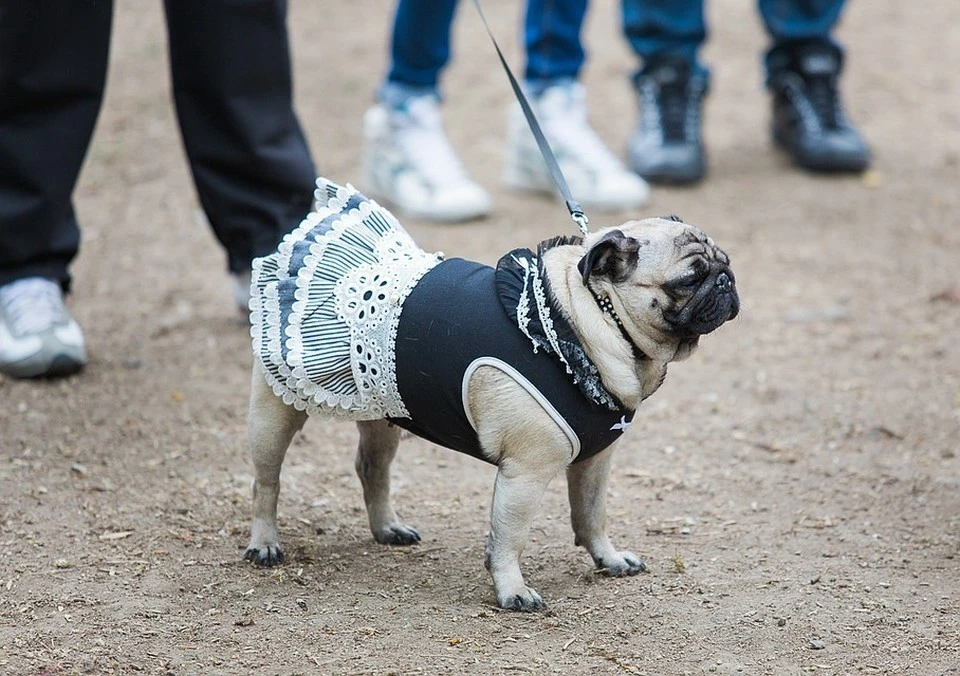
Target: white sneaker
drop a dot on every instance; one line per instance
(409, 163)
(38, 337)
(240, 288)
(596, 177)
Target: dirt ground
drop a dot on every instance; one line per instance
(794, 487)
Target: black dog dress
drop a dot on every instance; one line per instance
(351, 318)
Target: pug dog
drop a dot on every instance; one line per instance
(536, 366)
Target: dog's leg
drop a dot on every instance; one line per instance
(587, 487)
(530, 449)
(378, 446)
(271, 426)
(516, 498)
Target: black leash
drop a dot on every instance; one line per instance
(573, 206)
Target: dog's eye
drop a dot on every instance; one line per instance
(697, 273)
(690, 280)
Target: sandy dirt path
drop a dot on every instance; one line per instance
(794, 487)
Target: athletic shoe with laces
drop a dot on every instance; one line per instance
(38, 337)
(667, 146)
(409, 164)
(808, 117)
(597, 179)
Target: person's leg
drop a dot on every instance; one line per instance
(797, 22)
(555, 56)
(51, 87)
(657, 29)
(232, 84)
(666, 36)
(803, 66)
(552, 41)
(408, 162)
(420, 45)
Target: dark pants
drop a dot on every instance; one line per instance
(230, 63)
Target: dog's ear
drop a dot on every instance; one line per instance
(614, 256)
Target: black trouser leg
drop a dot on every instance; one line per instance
(53, 63)
(230, 61)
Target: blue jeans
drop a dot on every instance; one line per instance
(657, 28)
(420, 45)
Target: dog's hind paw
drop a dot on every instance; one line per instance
(397, 534)
(268, 556)
(624, 563)
(526, 601)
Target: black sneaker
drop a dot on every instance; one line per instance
(808, 117)
(667, 146)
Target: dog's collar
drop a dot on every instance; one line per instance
(606, 305)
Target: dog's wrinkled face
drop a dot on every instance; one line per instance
(669, 277)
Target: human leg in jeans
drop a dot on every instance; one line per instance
(803, 68)
(407, 160)
(51, 87)
(232, 84)
(555, 55)
(666, 36)
(420, 44)
(551, 36)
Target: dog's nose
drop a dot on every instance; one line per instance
(723, 281)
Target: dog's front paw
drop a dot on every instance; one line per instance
(269, 555)
(525, 601)
(620, 564)
(397, 534)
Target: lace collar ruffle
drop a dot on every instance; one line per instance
(524, 292)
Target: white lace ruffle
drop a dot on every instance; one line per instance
(325, 307)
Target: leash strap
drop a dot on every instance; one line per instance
(573, 206)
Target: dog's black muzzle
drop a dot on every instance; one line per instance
(715, 302)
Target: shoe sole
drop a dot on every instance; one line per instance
(373, 191)
(673, 175)
(819, 165)
(433, 217)
(667, 177)
(60, 366)
(520, 180)
(830, 166)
